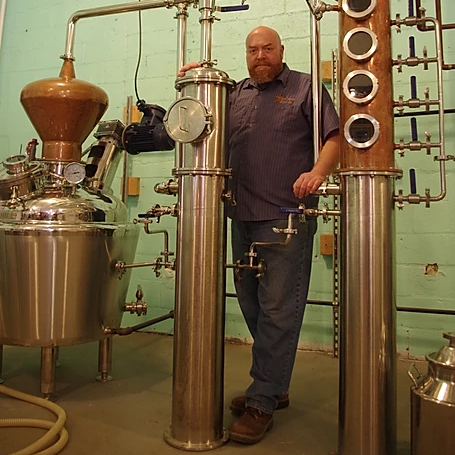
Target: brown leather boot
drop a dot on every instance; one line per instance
(237, 406)
(252, 426)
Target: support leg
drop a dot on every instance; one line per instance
(1, 363)
(105, 359)
(48, 364)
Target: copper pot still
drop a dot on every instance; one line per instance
(433, 403)
(63, 110)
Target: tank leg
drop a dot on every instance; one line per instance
(48, 363)
(57, 357)
(105, 359)
(1, 363)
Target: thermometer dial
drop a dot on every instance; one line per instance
(74, 173)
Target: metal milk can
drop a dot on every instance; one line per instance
(433, 403)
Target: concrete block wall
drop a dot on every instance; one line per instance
(106, 53)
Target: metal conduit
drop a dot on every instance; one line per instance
(399, 309)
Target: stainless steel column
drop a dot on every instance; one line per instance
(197, 400)
(367, 330)
(198, 121)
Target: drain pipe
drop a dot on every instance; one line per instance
(2, 20)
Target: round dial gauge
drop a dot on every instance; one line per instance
(74, 173)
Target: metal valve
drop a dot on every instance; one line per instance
(139, 306)
(156, 211)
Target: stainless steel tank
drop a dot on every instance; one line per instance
(61, 229)
(433, 403)
(58, 249)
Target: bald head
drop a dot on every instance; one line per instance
(264, 54)
(264, 32)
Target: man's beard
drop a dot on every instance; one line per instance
(262, 74)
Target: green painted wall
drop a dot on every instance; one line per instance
(106, 54)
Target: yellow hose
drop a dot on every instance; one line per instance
(55, 429)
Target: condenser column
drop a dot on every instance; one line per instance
(198, 119)
(367, 408)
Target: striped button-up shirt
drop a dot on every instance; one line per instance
(271, 143)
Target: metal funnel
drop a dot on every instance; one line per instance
(63, 110)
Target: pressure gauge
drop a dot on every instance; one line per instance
(74, 173)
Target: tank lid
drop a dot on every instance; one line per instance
(446, 355)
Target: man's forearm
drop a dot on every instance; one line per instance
(329, 156)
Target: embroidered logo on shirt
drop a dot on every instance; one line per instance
(280, 99)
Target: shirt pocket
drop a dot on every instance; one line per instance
(288, 117)
(237, 116)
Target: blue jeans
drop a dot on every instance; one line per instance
(273, 304)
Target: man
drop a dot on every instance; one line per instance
(271, 156)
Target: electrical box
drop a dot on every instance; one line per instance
(326, 71)
(326, 244)
(134, 184)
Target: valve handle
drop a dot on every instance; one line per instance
(411, 8)
(231, 9)
(414, 134)
(412, 47)
(145, 215)
(413, 87)
(295, 210)
(412, 181)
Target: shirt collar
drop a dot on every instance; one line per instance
(282, 77)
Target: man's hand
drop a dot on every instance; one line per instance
(189, 66)
(307, 183)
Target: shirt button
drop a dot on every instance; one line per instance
(255, 107)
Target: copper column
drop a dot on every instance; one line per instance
(367, 412)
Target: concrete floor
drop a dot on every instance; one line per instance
(130, 414)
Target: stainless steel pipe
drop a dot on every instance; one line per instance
(109, 10)
(316, 85)
(206, 8)
(182, 50)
